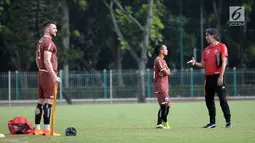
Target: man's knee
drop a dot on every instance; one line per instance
(48, 101)
(41, 101)
(38, 109)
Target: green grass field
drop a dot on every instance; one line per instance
(135, 123)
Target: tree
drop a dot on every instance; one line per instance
(66, 36)
(217, 8)
(65, 23)
(135, 36)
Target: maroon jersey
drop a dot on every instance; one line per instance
(160, 83)
(46, 44)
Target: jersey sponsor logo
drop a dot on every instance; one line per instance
(207, 52)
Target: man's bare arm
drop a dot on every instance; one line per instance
(194, 63)
(200, 65)
(48, 65)
(223, 66)
(167, 72)
(36, 60)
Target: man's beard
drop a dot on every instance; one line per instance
(52, 35)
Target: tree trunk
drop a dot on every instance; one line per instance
(37, 19)
(217, 11)
(65, 37)
(119, 65)
(201, 28)
(141, 82)
(242, 50)
(143, 57)
(141, 60)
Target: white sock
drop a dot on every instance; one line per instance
(37, 126)
(46, 127)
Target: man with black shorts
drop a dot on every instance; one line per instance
(47, 63)
(161, 86)
(214, 61)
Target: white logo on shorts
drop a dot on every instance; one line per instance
(166, 100)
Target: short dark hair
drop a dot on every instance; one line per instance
(214, 32)
(48, 22)
(158, 48)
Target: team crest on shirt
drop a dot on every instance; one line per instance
(216, 52)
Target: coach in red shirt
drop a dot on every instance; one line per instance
(214, 61)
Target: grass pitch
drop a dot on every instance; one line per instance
(135, 123)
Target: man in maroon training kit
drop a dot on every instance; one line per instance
(161, 87)
(47, 63)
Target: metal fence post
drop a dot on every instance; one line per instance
(17, 85)
(111, 86)
(234, 72)
(61, 86)
(9, 87)
(148, 83)
(105, 84)
(191, 82)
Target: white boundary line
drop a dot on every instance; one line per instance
(128, 100)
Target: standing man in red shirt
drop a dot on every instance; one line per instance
(214, 61)
(161, 87)
(47, 63)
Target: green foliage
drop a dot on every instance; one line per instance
(91, 37)
(139, 11)
(211, 17)
(4, 30)
(82, 3)
(150, 50)
(8, 2)
(248, 5)
(159, 11)
(251, 49)
(1, 10)
(155, 29)
(93, 43)
(19, 43)
(123, 45)
(76, 33)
